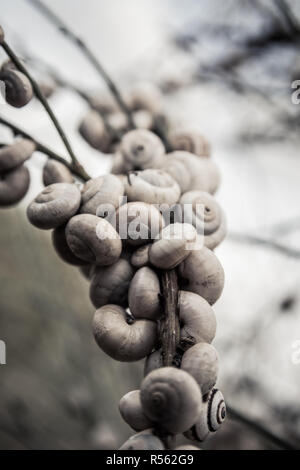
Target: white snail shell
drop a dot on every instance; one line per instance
(62, 248)
(145, 96)
(204, 174)
(138, 222)
(190, 141)
(210, 418)
(14, 185)
(14, 155)
(201, 362)
(153, 186)
(207, 216)
(54, 206)
(56, 172)
(178, 170)
(201, 272)
(110, 284)
(131, 411)
(141, 149)
(197, 320)
(171, 398)
(175, 243)
(93, 130)
(120, 340)
(144, 440)
(144, 294)
(140, 256)
(97, 192)
(93, 239)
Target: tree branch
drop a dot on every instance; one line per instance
(170, 331)
(54, 19)
(254, 240)
(79, 172)
(259, 429)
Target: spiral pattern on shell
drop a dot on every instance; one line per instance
(190, 141)
(216, 410)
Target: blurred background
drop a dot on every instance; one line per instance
(227, 69)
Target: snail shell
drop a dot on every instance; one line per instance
(93, 239)
(186, 447)
(18, 89)
(138, 222)
(202, 273)
(207, 216)
(110, 284)
(62, 248)
(204, 174)
(56, 172)
(14, 185)
(1, 35)
(106, 189)
(197, 320)
(144, 440)
(118, 166)
(54, 205)
(201, 361)
(93, 130)
(14, 155)
(131, 411)
(140, 257)
(174, 245)
(118, 121)
(153, 361)
(152, 186)
(104, 103)
(145, 96)
(190, 141)
(141, 149)
(120, 340)
(171, 398)
(178, 171)
(143, 119)
(210, 418)
(144, 294)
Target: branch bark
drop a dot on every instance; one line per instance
(170, 330)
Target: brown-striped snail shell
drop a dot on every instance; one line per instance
(144, 440)
(106, 189)
(93, 239)
(201, 272)
(153, 361)
(207, 216)
(178, 170)
(141, 149)
(140, 256)
(144, 294)
(56, 172)
(110, 284)
(120, 340)
(171, 398)
(201, 362)
(93, 130)
(204, 174)
(175, 243)
(210, 418)
(197, 320)
(54, 205)
(18, 89)
(138, 222)
(62, 248)
(190, 141)
(131, 411)
(14, 185)
(152, 186)
(14, 155)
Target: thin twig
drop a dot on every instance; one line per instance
(268, 243)
(80, 173)
(259, 429)
(41, 98)
(53, 18)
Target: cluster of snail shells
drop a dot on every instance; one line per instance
(14, 175)
(18, 89)
(92, 229)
